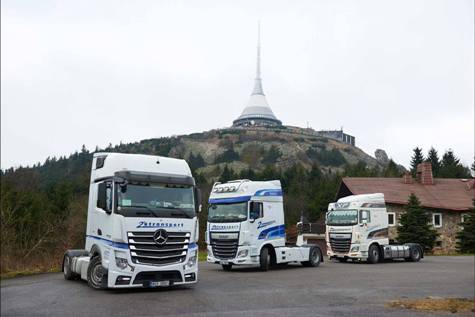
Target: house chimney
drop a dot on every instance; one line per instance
(424, 173)
(407, 178)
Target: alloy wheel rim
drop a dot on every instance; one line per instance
(97, 274)
(315, 257)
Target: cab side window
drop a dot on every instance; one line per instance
(365, 215)
(104, 196)
(256, 210)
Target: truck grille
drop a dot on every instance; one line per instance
(144, 250)
(224, 248)
(340, 242)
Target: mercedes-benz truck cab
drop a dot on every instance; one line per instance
(142, 225)
(357, 229)
(246, 227)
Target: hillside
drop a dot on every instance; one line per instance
(43, 208)
(242, 149)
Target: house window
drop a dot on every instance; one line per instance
(391, 219)
(437, 220)
(463, 218)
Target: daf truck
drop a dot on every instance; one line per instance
(142, 226)
(246, 227)
(357, 229)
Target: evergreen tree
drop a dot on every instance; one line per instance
(272, 155)
(228, 156)
(360, 169)
(466, 235)
(247, 174)
(415, 225)
(196, 161)
(227, 175)
(416, 159)
(392, 170)
(452, 168)
(433, 158)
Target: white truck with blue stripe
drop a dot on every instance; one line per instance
(142, 225)
(246, 227)
(357, 229)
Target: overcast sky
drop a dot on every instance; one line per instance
(395, 74)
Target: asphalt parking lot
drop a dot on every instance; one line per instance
(332, 289)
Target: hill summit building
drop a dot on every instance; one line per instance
(257, 111)
(258, 114)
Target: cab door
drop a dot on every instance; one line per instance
(100, 226)
(256, 214)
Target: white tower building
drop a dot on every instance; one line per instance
(257, 111)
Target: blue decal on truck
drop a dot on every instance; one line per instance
(273, 232)
(225, 227)
(229, 200)
(146, 224)
(119, 245)
(269, 192)
(264, 224)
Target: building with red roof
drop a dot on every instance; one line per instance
(447, 199)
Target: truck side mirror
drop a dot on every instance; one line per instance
(254, 211)
(197, 200)
(364, 217)
(104, 197)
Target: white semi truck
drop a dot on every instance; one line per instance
(142, 225)
(357, 229)
(246, 227)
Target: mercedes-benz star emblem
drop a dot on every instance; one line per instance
(160, 236)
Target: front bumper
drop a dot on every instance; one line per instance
(249, 259)
(139, 275)
(352, 254)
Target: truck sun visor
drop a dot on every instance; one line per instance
(156, 178)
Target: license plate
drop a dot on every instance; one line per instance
(159, 283)
(224, 262)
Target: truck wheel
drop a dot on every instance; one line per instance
(264, 259)
(314, 258)
(95, 272)
(373, 254)
(68, 273)
(415, 255)
(227, 267)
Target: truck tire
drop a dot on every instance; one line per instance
(264, 259)
(227, 267)
(67, 271)
(373, 254)
(415, 255)
(95, 272)
(314, 258)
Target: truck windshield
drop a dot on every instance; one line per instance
(342, 217)
(155, 200)
(227, 212)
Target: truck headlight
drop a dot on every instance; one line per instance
(242, 253)
(121, 260)
(356, 248)
(192, 259)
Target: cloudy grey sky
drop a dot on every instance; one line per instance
(396, 74)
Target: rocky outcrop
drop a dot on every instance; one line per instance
(381, 157)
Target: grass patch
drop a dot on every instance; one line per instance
(202, 255)
(453, 305)
(451, 254)
(13, 274)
